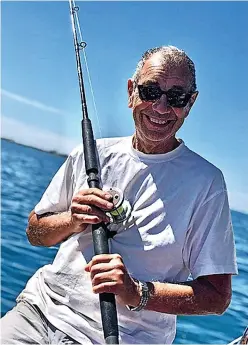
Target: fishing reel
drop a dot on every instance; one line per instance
(122, 208)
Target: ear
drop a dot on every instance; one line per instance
(130, 87)
(190, 103)
(193, 99)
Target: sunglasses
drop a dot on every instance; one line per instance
(175, 98)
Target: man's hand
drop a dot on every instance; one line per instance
(109, 274)
(50, 229)
(87, 208)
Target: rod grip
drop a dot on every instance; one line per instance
(90, 157)
(107, 300)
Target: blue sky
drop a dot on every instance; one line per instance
(40, 97)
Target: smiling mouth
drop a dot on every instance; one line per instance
(158, 121)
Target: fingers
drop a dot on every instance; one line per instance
(86, 219)
(104, 258)
(113, 267)
(107, 273)
(97, 192)
(109, 276)
(108, 286)
(88, 214)
(87, 207)
(94, 196)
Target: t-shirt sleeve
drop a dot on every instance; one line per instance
(209, 246)
(58, 195)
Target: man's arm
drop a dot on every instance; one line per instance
(50, 229)
(205, 295)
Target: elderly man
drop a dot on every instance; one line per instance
(179, 225)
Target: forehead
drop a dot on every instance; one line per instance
(157, 70)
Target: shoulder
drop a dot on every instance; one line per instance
(113, 147)
(78, 150)
(112, 143)
(204, 172)
(105, 147)
(102, 143)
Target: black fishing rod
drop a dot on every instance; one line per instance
(100, 232)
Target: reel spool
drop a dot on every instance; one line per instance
(122, 208)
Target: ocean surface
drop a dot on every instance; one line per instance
(26, 172)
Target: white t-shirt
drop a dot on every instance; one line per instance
(180, 225)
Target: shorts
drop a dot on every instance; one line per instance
(25, 324)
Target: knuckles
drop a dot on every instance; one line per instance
(90, 198)
(77, 199)
(117, 256)
(76, 216)
(76, 208)
(97, 279)
(113, 288)
(95, 269)
(103, 257)
(98, 259)
(118, 273)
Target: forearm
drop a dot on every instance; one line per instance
(49, 230)
(189, 298)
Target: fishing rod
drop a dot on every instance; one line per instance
(100, 232)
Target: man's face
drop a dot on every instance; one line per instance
(158, 121)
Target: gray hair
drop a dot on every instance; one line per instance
(173, 57)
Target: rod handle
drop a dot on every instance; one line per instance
(90, 157)
(107, 300)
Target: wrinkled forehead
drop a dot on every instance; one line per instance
(164, 72)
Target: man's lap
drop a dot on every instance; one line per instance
(25, 324)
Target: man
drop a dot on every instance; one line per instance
(179, 225)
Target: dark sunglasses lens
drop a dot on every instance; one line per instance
(152, 93)
(149, 93)
(178, 100)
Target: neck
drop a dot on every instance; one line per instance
(153, 147)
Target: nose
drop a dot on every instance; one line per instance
(161, 105)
